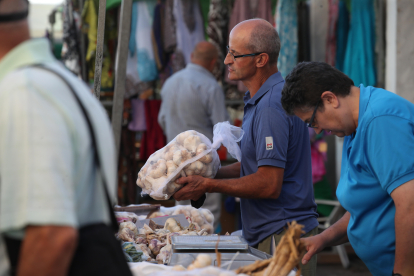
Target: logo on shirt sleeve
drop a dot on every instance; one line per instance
(269, 143)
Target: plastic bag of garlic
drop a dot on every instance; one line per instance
(190, 153)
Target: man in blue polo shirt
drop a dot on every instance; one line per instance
(274, 178)
(377, 174)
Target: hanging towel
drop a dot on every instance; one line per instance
(287, 27)
(342, 30)
(153, 138)
(359, 58)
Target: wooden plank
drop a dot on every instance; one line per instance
(99, 48)
(120, 70)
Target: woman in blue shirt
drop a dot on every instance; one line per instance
(377, 172)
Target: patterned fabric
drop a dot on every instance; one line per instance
(70, 49)
(169, 26)
(359, 58)
(287, 27)
(216, 31)
(331, 40)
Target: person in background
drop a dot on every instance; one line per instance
(274, 177)
(376, 186)
(52, 200)
(193, 100)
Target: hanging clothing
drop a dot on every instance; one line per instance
(319, 18)
(70, 48)
(331, 40)
(342, 30)
(153, 139)
(217, 32)
(359, 57)
(157, 30)
(169, 28)
(380, 42)
(303, 32)
(287, 27)
(190, 27)
(90, 27)
(243, 10)
(147, 68)
(138, 122)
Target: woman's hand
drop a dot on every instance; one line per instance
(314, 245)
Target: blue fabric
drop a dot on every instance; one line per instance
(359, 62)
(376, 159)
(132, 43)
(264, 117)
(287, 27)
(342, 29)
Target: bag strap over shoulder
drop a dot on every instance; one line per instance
(114, 223)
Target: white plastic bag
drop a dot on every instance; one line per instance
(189, 153)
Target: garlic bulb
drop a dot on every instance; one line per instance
(191, 143)
(208, 158)
(200, 148)
(172, 225)
(158, 169)
(171, 167)
(202, 260)
(182, 136)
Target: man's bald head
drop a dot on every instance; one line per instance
(204, 54)
(263, 37)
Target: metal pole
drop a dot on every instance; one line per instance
(120, 70)
(82, 45)
(99, 48)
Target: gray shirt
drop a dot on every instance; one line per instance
(191, 100)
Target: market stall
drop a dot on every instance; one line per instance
(168, 241)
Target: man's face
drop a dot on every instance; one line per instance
(240, 68)
(333, 121)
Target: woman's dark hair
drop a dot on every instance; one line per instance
(305, 84)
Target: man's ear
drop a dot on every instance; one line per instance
(330, 98)
(262, 60)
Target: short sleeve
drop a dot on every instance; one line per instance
(272, 137)
(36, 162)
(390, 147)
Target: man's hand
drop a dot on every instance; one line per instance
(194, 187)
(313, 245)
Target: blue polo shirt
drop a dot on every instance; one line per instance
(376, 159)
(273, 138)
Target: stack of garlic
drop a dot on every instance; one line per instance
(201, 218)
(178, 158)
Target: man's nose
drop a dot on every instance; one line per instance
(228, 59)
